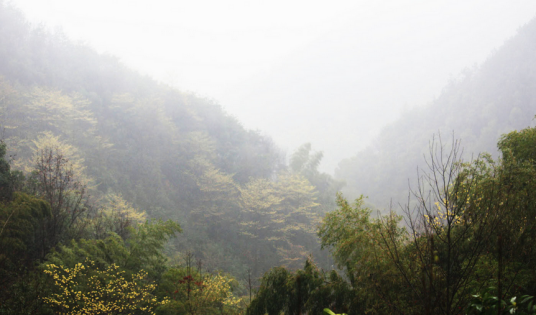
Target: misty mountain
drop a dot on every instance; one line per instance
(338, 90)
(485, 102)
(107, 175)
(171, 154)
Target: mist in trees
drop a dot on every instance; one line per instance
(462, 245)
(119, 194)
(484, 103)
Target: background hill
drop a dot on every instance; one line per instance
(484, 103)
(171, 154)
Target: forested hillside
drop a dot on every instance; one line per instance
(461, 241)
(497, 97)
(96, 141)
(463, 246)
(121, 195)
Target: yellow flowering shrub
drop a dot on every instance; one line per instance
(200, 294)
(217, 289)
(85, 290)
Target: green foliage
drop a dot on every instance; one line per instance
(488, 304)
(21, 227)
(519, 145)
(110, 275)
(141, 250)
(21, 233)
(146, 245)
(346, 227)
(116, 216)
(306, 291)
(192, 292)
(9, 180)
(471, 225)
(305, 163)
(5, 175)
(329, 312)
(273, 295)
(357, 244)
(281, 215)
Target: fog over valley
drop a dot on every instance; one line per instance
(299, 71)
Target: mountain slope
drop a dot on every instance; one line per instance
(171, 154)
(493, 99)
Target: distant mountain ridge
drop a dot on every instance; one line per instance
(493, 99)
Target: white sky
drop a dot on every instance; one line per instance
(301, 71)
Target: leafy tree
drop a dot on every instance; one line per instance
(329, 312)
(6, 176)
(192, 291)
(20, 248)
(460, 215)
(54, 180)
(519, 145)
(281, 214)
(273, 295)
(454, 243)
(487, 303)
(141, 250)
(196, 293)
(305, 291)
(305, 162)
(355, 240)
(517, 229)
(116, 216)
(20, 223)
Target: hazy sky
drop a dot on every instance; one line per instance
(301, 71)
